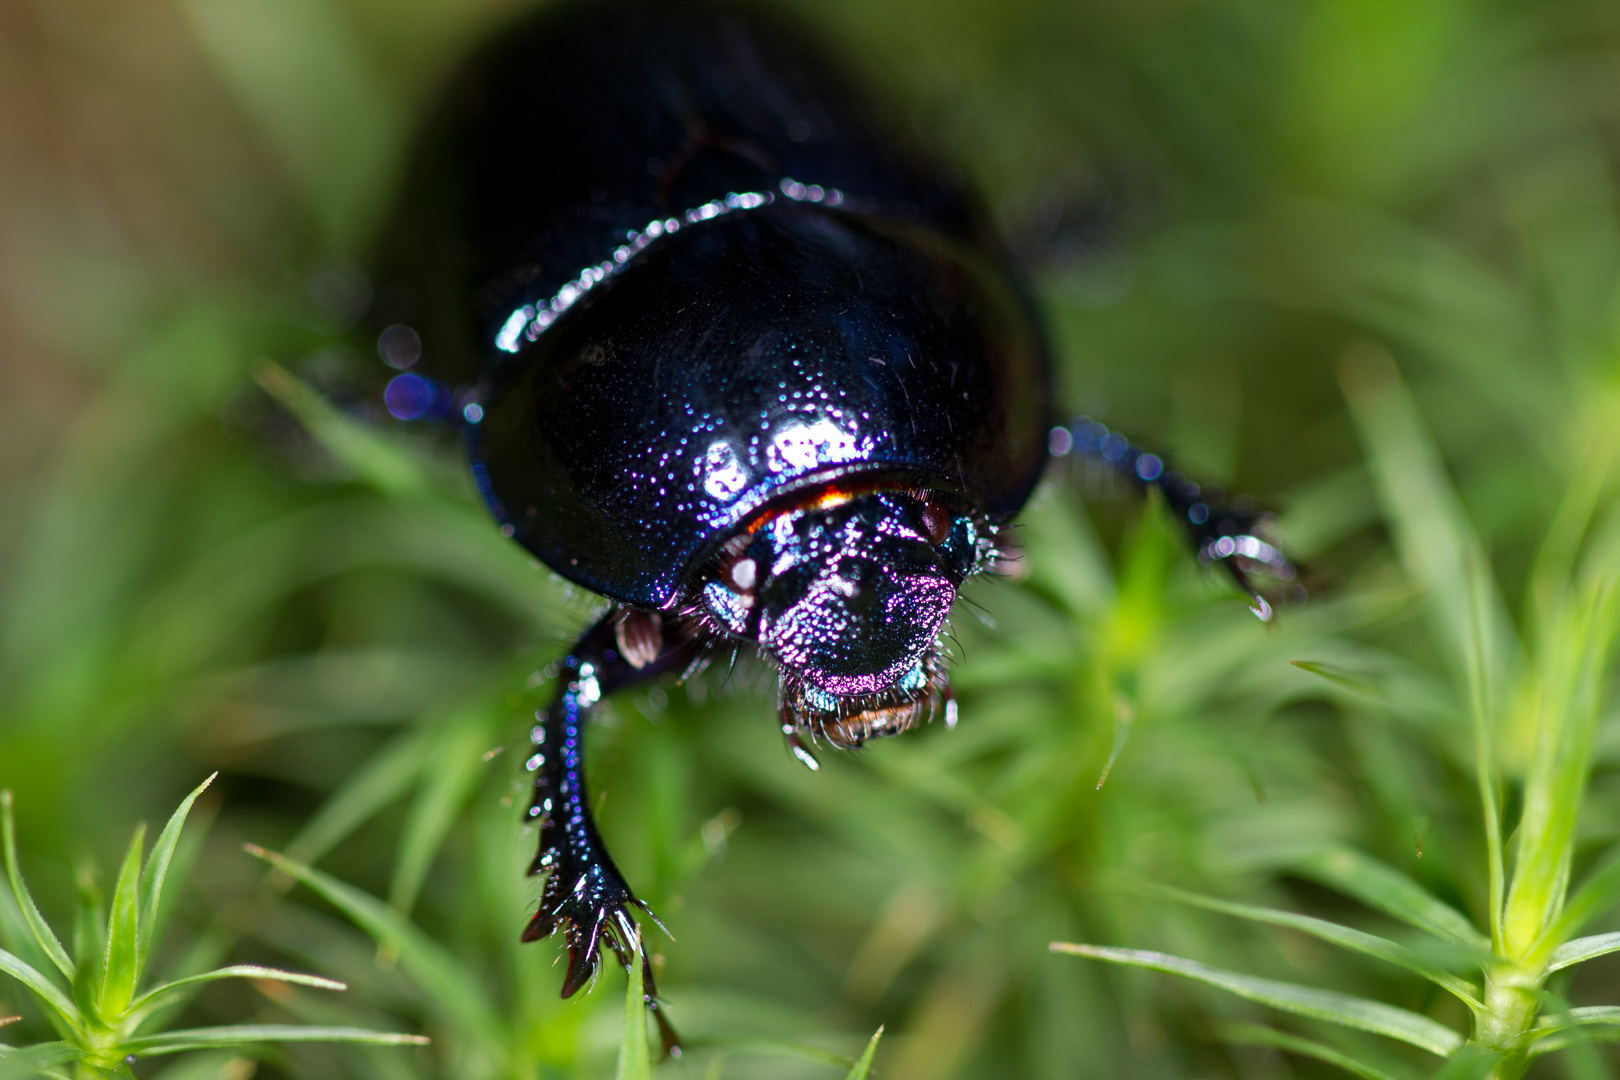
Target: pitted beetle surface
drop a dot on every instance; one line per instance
(743, 359)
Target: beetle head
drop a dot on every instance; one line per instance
(849, 596)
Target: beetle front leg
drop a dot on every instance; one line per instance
(584, 893)
(1230, 533)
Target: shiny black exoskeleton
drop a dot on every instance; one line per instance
(736, 354)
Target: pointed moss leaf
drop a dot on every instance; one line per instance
(38, 929)
(456, 758)
(34, 1060)
(1260, 1035)
(1329, 1005)
(1481, 708)
(1078, 576)
(1352, 681)
(1599, 1023)
(864, 1065)
(42, 987)
(1569, 1037)
(451, 987)
(14, 935)
(1432, 533)
(1122, 735)
(1386, 889)
(381, 780)
(1571, 670)
(239, 971)
(635, 1060)
(1590, 1016)
(121, 968)
(89, 922)
(1596, 895)
(157, 868)
(1573, 952)
(377, 461)
(157, 1011)
(89, 943)
(174, 1042)
(1343, 936)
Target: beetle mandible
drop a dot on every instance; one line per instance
(742, 358)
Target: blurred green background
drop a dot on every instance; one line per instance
(1229, 206)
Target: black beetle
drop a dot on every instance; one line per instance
(741, 357)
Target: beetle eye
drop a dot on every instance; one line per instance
(740, 575)
(937, 522)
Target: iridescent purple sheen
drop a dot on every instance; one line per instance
(861, 645)
(853, 596)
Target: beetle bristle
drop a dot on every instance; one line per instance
(854, 719)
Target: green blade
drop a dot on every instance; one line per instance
(635, 1060)
(455, 762)
(121, 968)
(42, 987)
(37, 926)
(864, 1065)
(31, 1061)
(89, 942)
(386, 776)
(442, 978)
(238, 971)
(1343, 936)
(1343, 1009)
(1569, 1037)
(1386, 889)
(375, 459)
(1573, 952)
(1571, 672)
(1590, 1016)
(1598, 1023)
(157, 869)
(1352, 681)
(174, 1042)
(1432, 534)
(1260, 1035)
(1596, 895)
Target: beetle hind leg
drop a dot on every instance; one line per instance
(1228, 533)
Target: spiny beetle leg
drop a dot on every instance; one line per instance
(1229, 533)
(584, 894)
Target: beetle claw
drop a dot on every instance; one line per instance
(585, 897)
(592, 908)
